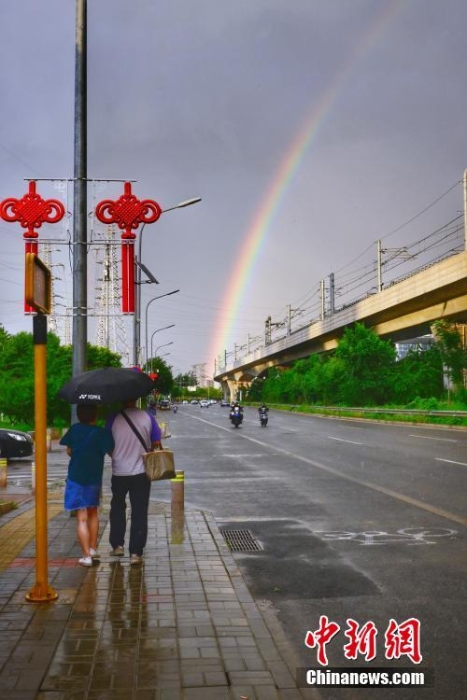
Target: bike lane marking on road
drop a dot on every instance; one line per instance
(434, 510)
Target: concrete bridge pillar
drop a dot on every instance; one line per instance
(233, 387)
(225, 389)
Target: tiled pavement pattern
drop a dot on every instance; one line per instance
(181, 627)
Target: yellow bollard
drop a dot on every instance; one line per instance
(33, 477)
(49, 439)
(177, 507)
(178, 492)
(177, 524)
(3, 472)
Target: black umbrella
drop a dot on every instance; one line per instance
(106, 385)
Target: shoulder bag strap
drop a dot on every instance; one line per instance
(135, 430)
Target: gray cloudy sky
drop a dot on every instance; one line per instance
(208, 98)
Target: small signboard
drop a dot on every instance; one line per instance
(38, 284)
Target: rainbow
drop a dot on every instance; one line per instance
(255, 236)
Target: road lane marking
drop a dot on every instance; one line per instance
(352, 442)
(330, 470)
(425, 437)
(451, 461)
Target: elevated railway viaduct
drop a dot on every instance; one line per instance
(405, 310)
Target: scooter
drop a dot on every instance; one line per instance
(236, 416)
(263, 417)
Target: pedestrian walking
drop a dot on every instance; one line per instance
(131, 429)
(152, 408)
(87, 444)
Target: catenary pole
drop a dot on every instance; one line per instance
(465, 209)
(80, 194)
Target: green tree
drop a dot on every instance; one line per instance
(17, 375)
(255, 391)
(418, 374)
(368, 361)
(102, 357)
(164, 381)
(181, 383)
(453, 354)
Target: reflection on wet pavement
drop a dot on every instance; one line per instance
(181, 625)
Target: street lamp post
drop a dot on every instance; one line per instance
(152, 336)
(160, 346)
(137, 316)
(175, 291)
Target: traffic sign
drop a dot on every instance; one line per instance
(38, 284)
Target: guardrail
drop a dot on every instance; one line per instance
(379, 409)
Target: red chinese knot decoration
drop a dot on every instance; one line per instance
(31, 211)
(128, 212)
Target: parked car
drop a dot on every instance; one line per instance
(195, 402)
(204, 404)
(15, 443)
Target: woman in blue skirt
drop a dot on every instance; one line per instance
(87, 444)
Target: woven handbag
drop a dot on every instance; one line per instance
(159, 464)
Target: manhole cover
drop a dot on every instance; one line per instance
(241, 541)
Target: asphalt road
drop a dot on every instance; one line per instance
(355, 519)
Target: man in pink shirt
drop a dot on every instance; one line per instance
(134, 432)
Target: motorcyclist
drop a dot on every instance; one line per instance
(263, 409)
(236, 408)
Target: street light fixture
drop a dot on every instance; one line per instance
(186, 203)
(157, 331)
(137, 317)
(160, 346)
(164, 345)
(147, 307)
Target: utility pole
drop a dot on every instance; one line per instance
(322, 291)
(465, 209)
(289, 319)
(379, 265)
(332, 293)
(290, 314)
(80, 297)
(267, 331)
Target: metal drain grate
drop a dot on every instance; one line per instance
(241, 541)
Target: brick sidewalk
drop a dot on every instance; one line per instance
(181, 627)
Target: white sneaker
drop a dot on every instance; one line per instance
(95, 556)
(85, 561)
